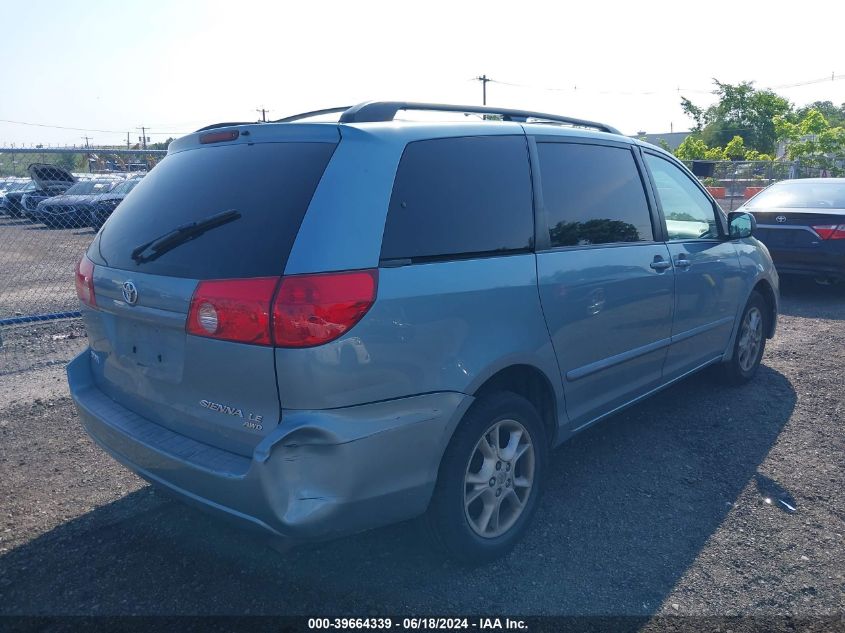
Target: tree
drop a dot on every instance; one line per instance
(753, 154)
(735, 149)
(813, 140)
(714, 153)
(692, 148)
(834, 115)
(163, 145)
(693, 112)
(740, 109)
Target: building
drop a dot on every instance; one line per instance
(673, 139)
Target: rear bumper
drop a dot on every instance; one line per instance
(318, 475)
(828, 261)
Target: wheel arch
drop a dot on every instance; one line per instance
(532, 384)
(764, 288)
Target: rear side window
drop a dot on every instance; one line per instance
(459, 197)
(269, 185)
(593, 194)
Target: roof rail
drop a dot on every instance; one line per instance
(308, 115)
(371, 111)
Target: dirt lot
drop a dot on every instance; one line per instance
(672, 507)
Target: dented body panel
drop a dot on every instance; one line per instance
(318, 474)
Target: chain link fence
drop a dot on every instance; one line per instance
(734, 182)
(52, 202)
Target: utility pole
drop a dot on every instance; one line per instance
(263, 112)
(483, 79)
(87, 154)
(128, 144)
(143, 138)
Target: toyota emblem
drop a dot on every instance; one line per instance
(781, 219)
(130, 293)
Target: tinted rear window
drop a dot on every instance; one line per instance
(593, 194)
(802, 195)
(269, 184)
(458, 197)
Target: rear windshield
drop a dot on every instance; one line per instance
(802, 195)
(269, 185)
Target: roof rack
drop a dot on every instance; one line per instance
(308, 115)
(371, 111)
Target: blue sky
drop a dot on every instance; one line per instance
(179, 64)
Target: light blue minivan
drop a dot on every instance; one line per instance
(316, 328)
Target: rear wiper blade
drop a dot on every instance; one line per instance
(181, 234)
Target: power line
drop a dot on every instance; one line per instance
(821, 80)
(61, 127)
(82, 129)
(575, 89)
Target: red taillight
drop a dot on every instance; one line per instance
(85, 281)
(831, 231)
(310, 310)
(233, 310)
(219, 137)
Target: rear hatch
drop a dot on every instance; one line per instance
(256, 189)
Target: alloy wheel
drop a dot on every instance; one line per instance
(750, 338)
(499, 478)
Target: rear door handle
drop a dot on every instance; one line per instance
(683, 262)
(659, 264)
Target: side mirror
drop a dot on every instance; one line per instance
(741, 224)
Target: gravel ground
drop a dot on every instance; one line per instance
(660, 510)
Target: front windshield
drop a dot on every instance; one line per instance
(796, 194)
(126, 186)
(90, 187)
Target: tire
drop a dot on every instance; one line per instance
(459, 529)
(748, 352)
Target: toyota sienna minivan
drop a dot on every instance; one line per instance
(316, 328)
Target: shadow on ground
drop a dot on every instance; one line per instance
(803, 297)
(629, 505)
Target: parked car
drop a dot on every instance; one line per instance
(13, 200)
(319, 328)
(31, 200)
(9, 205)
(50, 181)
(105, 204)
(802, 222)
(73, 208)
